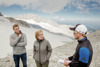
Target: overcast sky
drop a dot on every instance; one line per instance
(53, 9)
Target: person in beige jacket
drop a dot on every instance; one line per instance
(42, 50)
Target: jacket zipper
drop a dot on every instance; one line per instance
(39, 52)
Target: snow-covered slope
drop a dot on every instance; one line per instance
(6, 30)
(46, 24)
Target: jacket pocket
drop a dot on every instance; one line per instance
(36, 56)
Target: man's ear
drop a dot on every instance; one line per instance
(79, 34)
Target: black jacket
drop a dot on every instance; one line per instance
(75, 58)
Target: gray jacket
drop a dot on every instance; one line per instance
(42, 51)
(18, 44)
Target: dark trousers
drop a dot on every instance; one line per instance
(17, 59)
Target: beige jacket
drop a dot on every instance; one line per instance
(42, 51)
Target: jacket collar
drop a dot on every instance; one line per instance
(40, 40)
(82, 40)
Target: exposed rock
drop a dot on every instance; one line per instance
(1, 14)
(20, 22)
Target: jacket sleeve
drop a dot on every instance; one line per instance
(24, 43)
(83, 58)
(49, 49)
(34, 50)
(77, 64)
(70, 58)
(13, 41)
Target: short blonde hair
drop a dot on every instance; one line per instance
(37, 33)
(84, 35)
(15, 25)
